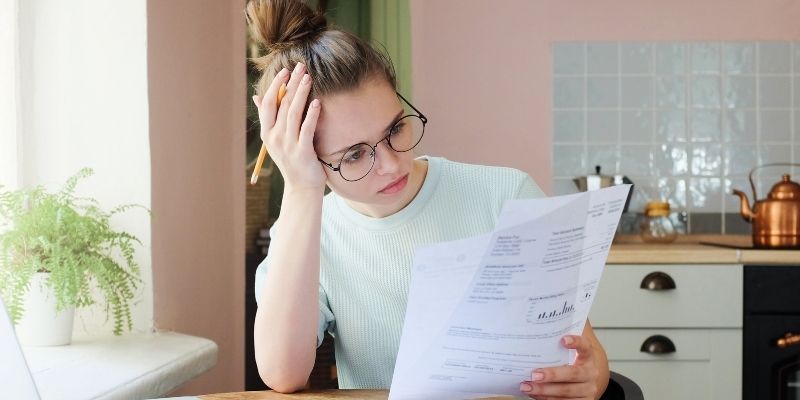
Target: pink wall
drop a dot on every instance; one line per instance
(482, 69)
(196, 73)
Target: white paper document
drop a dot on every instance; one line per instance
(483, 312)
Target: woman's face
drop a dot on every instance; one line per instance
(365, 115)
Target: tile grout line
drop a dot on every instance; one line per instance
(792, 121)
(585, 154)
(757, 68)
(618, 147)
(723, 148)
(653, 105)
(687, 123)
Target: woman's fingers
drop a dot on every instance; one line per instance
(537, 390)
(294, 116)
(582, 345)
(564, 373)
(286, 133)
(267, 111)
(310, 125)
(568, 381)
(291, 89)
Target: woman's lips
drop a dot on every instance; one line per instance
(396, 186)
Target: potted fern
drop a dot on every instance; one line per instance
(56, 251)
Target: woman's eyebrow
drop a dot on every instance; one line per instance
(394, 121)
(391, 124)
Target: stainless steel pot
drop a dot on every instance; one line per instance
(599, 181)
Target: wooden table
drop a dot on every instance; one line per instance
(304, 395)
(312, 395)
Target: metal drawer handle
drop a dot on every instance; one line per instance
(658, 344)
(789, 339)
(658, 281)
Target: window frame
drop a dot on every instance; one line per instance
(10, 101)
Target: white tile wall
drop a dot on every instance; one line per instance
(685, 120)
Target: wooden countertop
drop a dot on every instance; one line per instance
(689, 249)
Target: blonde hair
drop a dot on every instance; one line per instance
(291, 32)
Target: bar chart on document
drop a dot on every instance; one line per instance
(554, 307)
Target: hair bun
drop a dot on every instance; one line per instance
(279, 24)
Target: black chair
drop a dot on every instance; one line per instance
(622, 388)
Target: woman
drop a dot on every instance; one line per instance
(341, 262)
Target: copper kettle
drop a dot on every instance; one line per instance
(776, 219)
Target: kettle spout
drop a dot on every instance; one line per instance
(746, 211)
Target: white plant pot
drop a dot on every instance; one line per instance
(40, 324)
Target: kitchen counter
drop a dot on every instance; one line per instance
(689, 249)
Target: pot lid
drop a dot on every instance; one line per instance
(597, 173)
(786, 189)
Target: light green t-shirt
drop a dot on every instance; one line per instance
(366, 262)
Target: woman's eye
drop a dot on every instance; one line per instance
(353, 156)
(397, 128)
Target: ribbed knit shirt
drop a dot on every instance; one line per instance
(365, 263)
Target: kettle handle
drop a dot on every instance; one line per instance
(753, 185)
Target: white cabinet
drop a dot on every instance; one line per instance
(693, 331)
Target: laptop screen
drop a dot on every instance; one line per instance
(16, 379)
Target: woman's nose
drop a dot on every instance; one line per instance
(386, 161)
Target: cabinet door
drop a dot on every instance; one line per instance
(706, 363)
(704, 296)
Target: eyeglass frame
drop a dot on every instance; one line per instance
(374, 148)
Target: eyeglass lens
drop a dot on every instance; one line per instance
(359, 159)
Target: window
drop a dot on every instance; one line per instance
(10, 154)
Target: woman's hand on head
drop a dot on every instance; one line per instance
(577, 381)
(289, 138)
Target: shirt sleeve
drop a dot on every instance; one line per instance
(326, 318)
(528, 189)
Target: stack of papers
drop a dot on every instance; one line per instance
(483, 312)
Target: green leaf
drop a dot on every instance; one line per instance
(71, 238)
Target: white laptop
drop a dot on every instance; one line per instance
(15, 377)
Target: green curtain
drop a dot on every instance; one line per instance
(387, 23)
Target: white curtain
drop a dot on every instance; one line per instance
(10, 129)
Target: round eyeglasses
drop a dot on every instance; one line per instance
(403, 136)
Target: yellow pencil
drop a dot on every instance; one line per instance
(263, 153)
